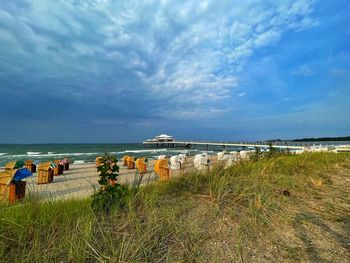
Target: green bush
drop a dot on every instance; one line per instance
(111, 194)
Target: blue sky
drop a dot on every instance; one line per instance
(123, 71)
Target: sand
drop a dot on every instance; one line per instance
(81, 180)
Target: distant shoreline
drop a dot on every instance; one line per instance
(324, 139)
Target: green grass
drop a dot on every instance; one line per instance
(237, 214)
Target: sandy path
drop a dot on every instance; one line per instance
(81, 180)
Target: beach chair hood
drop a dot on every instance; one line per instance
(18, 175)
(46, 166)
(14, 165)
(21, 174)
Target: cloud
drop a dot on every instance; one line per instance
(171, 47)
(145, 56)
(266, 38)
(193, 114)
(304, 71)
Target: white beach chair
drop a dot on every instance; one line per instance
(175, 162)
(201, 162)
(161, 157)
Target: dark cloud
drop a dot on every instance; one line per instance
(69, 70)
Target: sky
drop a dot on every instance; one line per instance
(124, 71)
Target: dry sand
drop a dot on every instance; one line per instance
(81, 180)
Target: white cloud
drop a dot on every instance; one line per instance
(304, 70)
(192, 114)
(181, 52)
(240, 30)
(267, 38)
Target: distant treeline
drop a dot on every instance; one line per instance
(346, 138)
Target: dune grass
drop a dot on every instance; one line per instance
(282, 209)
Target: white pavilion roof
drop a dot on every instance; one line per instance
(164, 136)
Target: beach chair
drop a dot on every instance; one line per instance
(175, 162)
(182, 159)
(66, 164)
(58, 170)
(6, 191)
(201, 162)
(45, 172)
(141, 169)
(12, 188)
(30, 165)
(244, 155)
(161, 168)
(125, 160)
(141, 165)
(131, 162)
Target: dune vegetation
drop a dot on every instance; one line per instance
(278, 209)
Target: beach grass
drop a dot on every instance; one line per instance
(282, 209)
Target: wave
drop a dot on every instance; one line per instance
(145, 151)
(79, 162)
(1, 154)
(117, 152)
(56, 155)
(33, 153)
(182, 151)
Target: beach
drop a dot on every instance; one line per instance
(81, 180)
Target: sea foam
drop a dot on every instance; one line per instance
(79, 162)
(33, 153)
(145, 151)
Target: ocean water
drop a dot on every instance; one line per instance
(84, 153)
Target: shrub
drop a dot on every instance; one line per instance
(111, 194)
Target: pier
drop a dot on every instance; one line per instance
(189, 144)
(167, 141)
